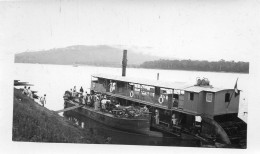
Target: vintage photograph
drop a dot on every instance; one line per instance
(147, 73)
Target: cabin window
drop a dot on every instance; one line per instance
(157, 91)
(131, 87)
(227, 97)
(209, 97)
(137, 88)
(191, 96)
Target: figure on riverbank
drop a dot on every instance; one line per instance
(43, 100)
(25, 91)
(30, 95)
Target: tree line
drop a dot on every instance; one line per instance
(214, 66)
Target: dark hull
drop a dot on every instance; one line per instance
(126, 124)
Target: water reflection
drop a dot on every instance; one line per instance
(115, 136)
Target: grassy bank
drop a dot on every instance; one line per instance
(34, 123)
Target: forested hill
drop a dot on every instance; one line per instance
(100, 55)
(103, 55)
(215, 66)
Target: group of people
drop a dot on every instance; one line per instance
(27, 91)
(98, 101)
(74, 92)
(174, 119)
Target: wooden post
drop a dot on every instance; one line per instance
(124, 63)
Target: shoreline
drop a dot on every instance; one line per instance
(35, 123)
(137, 67)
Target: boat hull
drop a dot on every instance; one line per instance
(126, 124)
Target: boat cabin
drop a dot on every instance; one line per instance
(199, 99)
(210, 101)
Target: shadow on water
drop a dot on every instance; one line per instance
(121, 137)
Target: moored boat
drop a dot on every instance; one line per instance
(117, 117)
(195, 110)
(198, 109)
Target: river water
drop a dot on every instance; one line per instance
(54, 80)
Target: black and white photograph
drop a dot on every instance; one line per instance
(129, 75)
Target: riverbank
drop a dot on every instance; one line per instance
(34, 123)
(138, 67)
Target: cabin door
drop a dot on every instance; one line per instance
(170, 101)
(181, 101)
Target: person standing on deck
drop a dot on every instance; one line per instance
(88, 99)
(43, 100)
(96, 105)
(71, 94)
(103, 103)
(92, 100)
(81, 90)
(74, 92)
(197, 124)
(110, 86)
(85, 98)
(156, 117)
(174, 120)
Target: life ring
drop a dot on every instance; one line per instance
(131, 94)
(160, 99)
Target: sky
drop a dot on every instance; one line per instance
(183, 29)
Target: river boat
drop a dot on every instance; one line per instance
(118, 118)
(179, 106)
(200, 110)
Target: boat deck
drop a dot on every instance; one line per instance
(107, 113)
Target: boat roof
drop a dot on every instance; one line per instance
(156, 83)
(198, 89)
(163, 84)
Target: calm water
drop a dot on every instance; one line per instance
(53, 80)
(122, 137)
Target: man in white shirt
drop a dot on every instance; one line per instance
(25, 91)
(156, 117)
(85, 98)
(43, 100)
(30, 95)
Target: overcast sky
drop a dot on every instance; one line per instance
(185, 29)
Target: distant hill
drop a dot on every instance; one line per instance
(100, 55)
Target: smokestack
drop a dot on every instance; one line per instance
(124, 63)
(158, 76)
